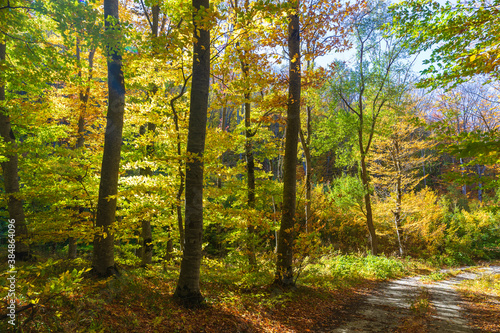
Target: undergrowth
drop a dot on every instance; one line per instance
(237, 298)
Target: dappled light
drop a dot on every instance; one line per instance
(249, 166)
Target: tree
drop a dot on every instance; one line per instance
(465, 122)
(146, 233)
(83, 20)
(395, 162)
(188, 285)
(103, 257)
(284, 270)
(366, 90)
(21, 78)
(10, 171)
(464, 40)
(324, 29)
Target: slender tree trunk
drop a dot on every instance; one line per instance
(251, 230)
(423, 168)
(146, 234)
(399, 197)
(306, 143)
(11, 176)
(250, 179)
(368, 207)
(180, 222)
(480, 173)
(180, 166)
(188, 285)
(397, 220)
(462, 171)
(284, 271)
(103, 258)
(80, 138)
(307, 203)
(276, 235)
(223, 128)
(146, 251)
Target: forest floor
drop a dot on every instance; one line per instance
(344, 294)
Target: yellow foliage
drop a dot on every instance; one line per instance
(421, 223)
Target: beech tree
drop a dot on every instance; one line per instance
(188, 285)
(103, 259)
(366, 90)
(284, 269)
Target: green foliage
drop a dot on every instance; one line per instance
(487, 284)
(463, 37)
(49, 281)
(340, 216)
(338, 270)
(422, 224)
(472, 235)
(45, 79)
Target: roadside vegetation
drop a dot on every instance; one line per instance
(482, 296)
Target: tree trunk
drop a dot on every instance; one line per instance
(250, 179)
(368, 207)
(188, 285)
(146, 234)
(480, 173)
(306, 143)
(399, 196)
(11, 177)
(180, 166)
(80, 135)
(423, 168)
(284, 271)
(146, 245)
(364, 172)
(103, 258)
(223, 129)
(307, 153)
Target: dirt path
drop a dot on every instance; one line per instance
(388, 307)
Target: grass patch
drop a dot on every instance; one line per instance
(485, 284)
(440, 275)
(341, 271)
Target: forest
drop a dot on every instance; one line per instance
(244, 166)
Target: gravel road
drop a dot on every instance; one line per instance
(385, 309)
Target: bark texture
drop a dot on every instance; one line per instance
(284, 271)
(103, 258)
(11, 177)
(188, 286)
